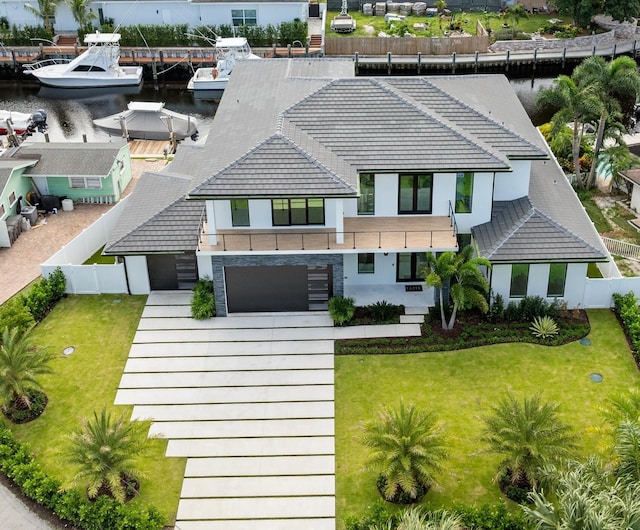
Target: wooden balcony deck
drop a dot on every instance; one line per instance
(411, 233)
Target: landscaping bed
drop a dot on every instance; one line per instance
(471, 330)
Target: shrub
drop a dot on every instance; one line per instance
(531, 307)
(341, 309)
(38, 299)
(496, 309)
(57, 285)
(490, 517)
(203, 303)
(14, 314)
(17, 464)
(627, 310)
(376, 516)
(544, 327)
(383, 312)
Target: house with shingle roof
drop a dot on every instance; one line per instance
(319, 183)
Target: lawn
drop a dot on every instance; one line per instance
(98, 259)
(101, 329)
(461, 387)
(436, 27)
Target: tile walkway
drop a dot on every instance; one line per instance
(248, 400)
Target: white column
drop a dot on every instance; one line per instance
(339, 221)
(211, 224)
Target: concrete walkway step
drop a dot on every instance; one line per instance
(268, 524)
(411, 319)
(195, 349)
(237, 323)
(226, 364)
(235, 411)
(257, 508)
(214, 395)
(166, 311)
(260, 466)
(227, 379)
(294, 486)
(256, 429)
(312, 445)
(170, 298)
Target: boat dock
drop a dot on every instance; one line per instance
(151, 148)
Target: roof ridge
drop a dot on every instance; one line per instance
(477, 112)
(441, 120)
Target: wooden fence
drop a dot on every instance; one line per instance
(336, 46)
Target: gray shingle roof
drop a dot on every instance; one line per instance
(7, 166)
(64, 159)
(274, 168)
(157, 218)
(462, 116)
(520, 232)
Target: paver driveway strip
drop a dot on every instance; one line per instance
(248, 399)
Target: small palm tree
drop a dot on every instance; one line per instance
(529, 435)
(627, 452)
(20, 365)
(415, 519)
(81, 12)
(106, 450)
(515, 13)
(45, 10)
(459, 275)
(408, 448)
(616, 411)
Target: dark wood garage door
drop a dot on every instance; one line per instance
(282, 288)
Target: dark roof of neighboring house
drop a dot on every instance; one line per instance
(7, 167)
(632, 175)
(158, 218)
(64, 159)
(520, 232)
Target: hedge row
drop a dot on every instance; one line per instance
(70, 505)
(25, 310)
(628, 311)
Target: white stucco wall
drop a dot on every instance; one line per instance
(137, 274)
(513, 185)
(538, 281)
(205, 266)
(384, 270)
(635, 197)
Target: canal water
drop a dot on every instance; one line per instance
(70, 113)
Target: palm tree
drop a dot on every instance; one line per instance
(572, 103)
(459, 275)
(81, 13)
(45, 10)
(408, 448)
(415, 519)
(616, 83)
(20, 365)
(106, 449)
(515, 13)
(586, 497)
(529, 435)
(627, 452)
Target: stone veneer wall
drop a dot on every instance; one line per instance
(220, 262)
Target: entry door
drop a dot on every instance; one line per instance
(162, 272)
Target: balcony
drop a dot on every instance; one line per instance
(361, 234)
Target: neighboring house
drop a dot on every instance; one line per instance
(192, 12)
(84, 172)
(13, 193)
(632, 183)
(321, 184)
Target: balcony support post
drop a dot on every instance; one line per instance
(211, 224)
(339, 221)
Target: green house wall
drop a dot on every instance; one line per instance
(21, 186)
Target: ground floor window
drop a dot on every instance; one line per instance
(557, 279)
(89, 183)
(366, 263)
(287, 212)
(410, 266)
(519, 280)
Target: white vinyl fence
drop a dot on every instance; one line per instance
(90, 279)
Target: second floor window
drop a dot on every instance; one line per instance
(244, 17)
(415, 193)
(240, 212)
(287, 212)
(464, 192)
(367, 199)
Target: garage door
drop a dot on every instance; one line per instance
(282, 288)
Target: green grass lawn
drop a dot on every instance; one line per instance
(98, 259)
(101, 329)
(461, 386)
(436, 27)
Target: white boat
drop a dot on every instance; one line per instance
(97, 66)
(147, 120)
(22, 122)
(228, 51)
